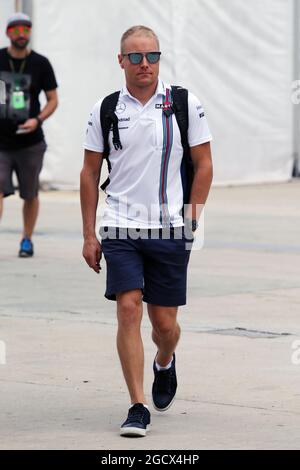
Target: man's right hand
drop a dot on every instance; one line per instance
(92, 253)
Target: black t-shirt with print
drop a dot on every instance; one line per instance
(30, 78)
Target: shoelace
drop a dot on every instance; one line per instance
(136, 413)
(164, 380)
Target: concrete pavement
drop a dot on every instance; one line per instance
(239, 383)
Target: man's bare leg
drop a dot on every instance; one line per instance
(165, 333)
(129, 342)
(30, 214)
(1, 204)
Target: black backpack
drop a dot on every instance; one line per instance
(109, 121)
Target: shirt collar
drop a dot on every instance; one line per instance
(160, 89)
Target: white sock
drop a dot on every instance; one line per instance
(168, 366)
(146, 406)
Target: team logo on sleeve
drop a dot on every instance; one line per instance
(200, 108)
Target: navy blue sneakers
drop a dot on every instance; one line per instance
(137, 422)
(164, 387)
(26, 248)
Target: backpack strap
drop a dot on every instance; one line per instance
(181, 111)
(109, 118)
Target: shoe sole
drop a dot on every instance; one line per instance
(25, 255)
(163, 409)
(134, 432)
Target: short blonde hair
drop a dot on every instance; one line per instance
(141, 30)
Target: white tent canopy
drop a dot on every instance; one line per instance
(237, 57)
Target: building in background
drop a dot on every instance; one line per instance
(239, 57)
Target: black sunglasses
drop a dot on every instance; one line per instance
(136, 58)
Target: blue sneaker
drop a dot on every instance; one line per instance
(137, 422)
(26, 248)
(164, 387)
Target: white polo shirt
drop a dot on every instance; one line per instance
(145, 189)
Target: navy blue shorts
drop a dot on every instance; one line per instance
(151, 263)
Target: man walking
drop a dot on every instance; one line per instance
(22, 144)
(144, 197)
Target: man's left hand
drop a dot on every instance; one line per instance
(30, 125)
